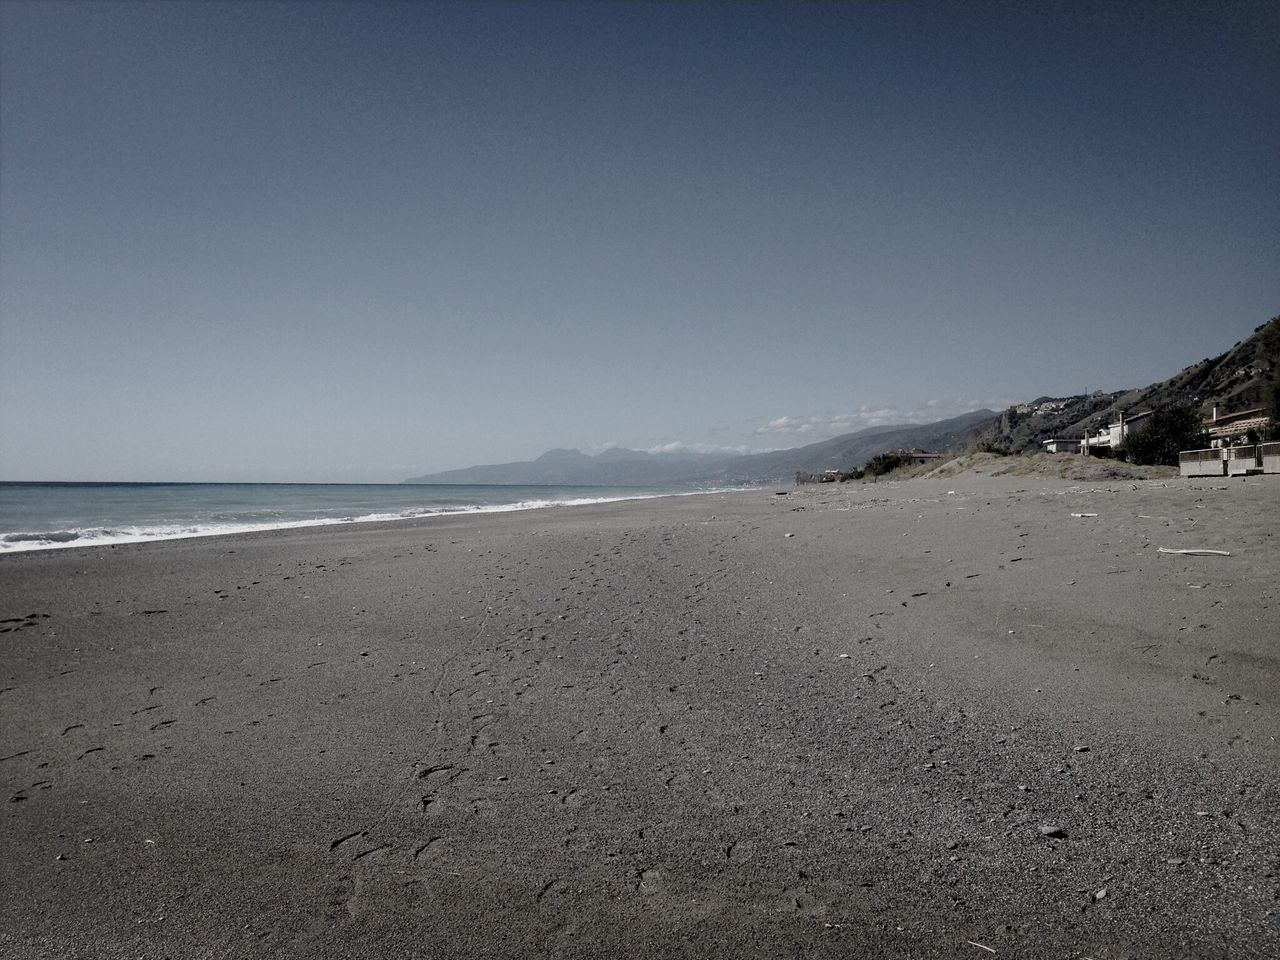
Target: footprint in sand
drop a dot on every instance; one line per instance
(551, 888)
(433, 849)
(739, 852)
(650, 882)
(346, 838)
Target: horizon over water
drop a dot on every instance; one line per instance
(76, 513)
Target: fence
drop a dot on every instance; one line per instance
(1270, 456)
(1201, 463)
(1230, 461)
(1242, 460)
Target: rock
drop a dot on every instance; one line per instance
(1080, 749)
(1053, 831)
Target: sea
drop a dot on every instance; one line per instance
(39, 516)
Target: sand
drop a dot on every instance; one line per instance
(939, 718)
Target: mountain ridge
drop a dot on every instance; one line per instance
(1244, 376)
(620, 466)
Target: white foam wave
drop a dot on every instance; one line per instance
(104, 536)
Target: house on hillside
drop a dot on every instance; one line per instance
(1113, 434)
(920, 456)
(1229, 428)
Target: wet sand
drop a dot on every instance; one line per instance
(942, 718)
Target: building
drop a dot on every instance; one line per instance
(1058, 445)
(1226, 429)
(921, 456)
(1113, 434)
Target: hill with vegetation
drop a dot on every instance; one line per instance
(1242, 378)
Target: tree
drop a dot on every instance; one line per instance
(1167, 431)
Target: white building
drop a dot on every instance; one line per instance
(1058, 445)
(1113, 434)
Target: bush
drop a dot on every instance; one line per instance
(1167, 432)
(883, 463)
(992, 446)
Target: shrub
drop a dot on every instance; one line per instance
(1167, 432)
(883, 463)
(992, 446)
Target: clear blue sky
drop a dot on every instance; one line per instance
(279, 241)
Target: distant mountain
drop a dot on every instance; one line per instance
(1242, 378)
(1246, 376)
(614, 467)
(622, 467)
(851, 449)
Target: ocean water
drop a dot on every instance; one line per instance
(37, 516)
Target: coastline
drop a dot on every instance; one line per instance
(184, 528)
(744, 724)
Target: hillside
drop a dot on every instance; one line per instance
(1243, 377)
(1239, 379)
(854, 449)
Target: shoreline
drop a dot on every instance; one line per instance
(828, 723)
(53, 540)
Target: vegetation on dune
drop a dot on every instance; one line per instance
(884, 463)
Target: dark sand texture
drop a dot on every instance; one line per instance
(835, 723)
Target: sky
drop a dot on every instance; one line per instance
(359, 242)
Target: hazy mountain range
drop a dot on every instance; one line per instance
(1247, 375)
(622, 467)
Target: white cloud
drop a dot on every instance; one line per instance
(680, 446)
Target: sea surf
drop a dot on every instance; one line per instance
(39, 516)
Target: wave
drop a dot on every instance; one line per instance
(171, 530)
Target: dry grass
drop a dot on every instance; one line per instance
(1063, 465)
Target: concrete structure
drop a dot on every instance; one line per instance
(1270, 455)
(1242, 460)
(1202, 463)
(1058, 445)
(1235, 461)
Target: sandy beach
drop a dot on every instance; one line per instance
(963, 717)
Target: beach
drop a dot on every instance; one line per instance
(957, 717)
